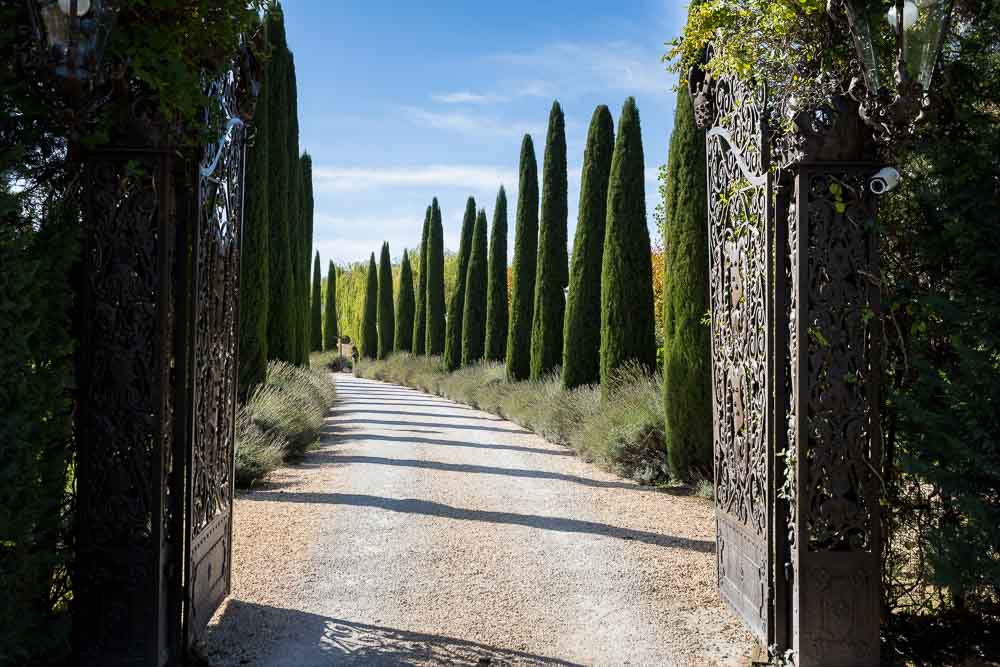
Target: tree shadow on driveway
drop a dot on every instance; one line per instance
(328, 431)
(404, 424)
(301, 639)
(430, 508)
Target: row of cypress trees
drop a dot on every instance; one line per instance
(276, 321)
(605, 317)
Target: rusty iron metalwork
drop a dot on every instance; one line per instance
(740, 285)
(215, 308)
(793, 279)
(158, 323)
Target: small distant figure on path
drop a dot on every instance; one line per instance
(354, 355)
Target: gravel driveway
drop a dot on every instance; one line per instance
(423, 532)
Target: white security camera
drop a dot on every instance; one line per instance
(886, 180)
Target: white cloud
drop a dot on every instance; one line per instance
(355, 179)
(466, 97)
(465, 123)
(571, 67)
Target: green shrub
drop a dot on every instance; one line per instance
(282, 418)
(623, 433)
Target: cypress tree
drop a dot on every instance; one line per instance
(420, 295)
(552, 271)
(280, 315)
(435, 283)
(453, 332)
(255, 262)
(627, 320)
(404, 306)
(298, 287)
(306, 205)
(525, 253)
(474, 311)
(687, 372)
(582, 333)
(330, 337)
(497, 305)
(386, 311)
(317, 307)
(369, 314)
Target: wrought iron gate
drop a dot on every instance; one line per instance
(793, 267)
(157, 368)
(740, 284)
(213, 379)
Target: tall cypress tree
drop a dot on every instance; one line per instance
(369, 314)
(298, 287)
(474, 311)
(317, 307)
(687, 373)
(386, 310)
(255, 262)
(552, 272)
(582, 333)
(435, 283)
(522, 296)
(280, 314)
(330, 332)
(306, 206)
(627, 319)
(404, 306)
(420, 295)
(497, 305)
(453, 332)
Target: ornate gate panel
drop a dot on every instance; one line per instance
(833, 422)
(213, 363)
(740, 284)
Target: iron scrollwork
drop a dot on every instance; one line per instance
(214, 354)
(740, 285)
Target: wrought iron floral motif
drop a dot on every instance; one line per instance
(214, 363)
(740, 286)
(126, 481)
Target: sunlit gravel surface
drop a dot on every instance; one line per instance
(423, 532)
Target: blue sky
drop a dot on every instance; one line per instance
(403, 101)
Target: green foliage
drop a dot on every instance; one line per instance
(281, 313)
(435, 284)
(474, 312)
(254, 257)
(298, 287)
(35, 419)
(623, 433)
(627, 320)
(525, 255)
(352, 283)
(317, 307)
(330, 329)
(687, 371)
(281, 419)
(386, 311)
(552, 269)
(497, 303)
(369, 316)
(306, 206)
(582, 333)
(404, 306)
(453, 331)
(420, 307)
(941, 267)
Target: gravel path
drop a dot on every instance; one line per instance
(423, 532)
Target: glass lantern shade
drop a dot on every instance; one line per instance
(924, 24)
(919, 26)
(74, 34)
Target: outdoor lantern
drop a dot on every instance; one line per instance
(919, 27)
(73, 35)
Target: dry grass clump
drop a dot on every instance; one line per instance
(623, 432)
(281, 419)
